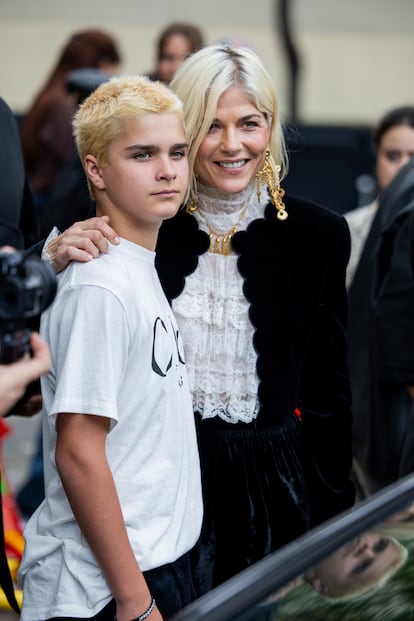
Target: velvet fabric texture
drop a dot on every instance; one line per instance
(266, 482)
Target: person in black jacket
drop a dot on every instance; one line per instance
(381, 340)
(257, 283)
(19, 225)
(18, 229)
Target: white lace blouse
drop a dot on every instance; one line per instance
(212, 315)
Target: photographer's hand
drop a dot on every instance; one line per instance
(16, 376)
(82, 241)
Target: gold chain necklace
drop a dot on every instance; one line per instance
(220, 243)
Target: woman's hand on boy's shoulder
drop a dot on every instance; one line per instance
(83, 241)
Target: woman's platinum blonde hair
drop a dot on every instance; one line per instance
(204, 76)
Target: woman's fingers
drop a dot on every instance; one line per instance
(82, 241)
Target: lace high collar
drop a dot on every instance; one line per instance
(222, 208)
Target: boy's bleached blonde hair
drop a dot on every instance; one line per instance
(201, 80)
(99, 120)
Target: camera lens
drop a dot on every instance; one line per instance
(12, 299)
(40, 285)
(27, 287)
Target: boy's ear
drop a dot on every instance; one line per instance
(93, 170)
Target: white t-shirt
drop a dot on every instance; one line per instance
(116, 352)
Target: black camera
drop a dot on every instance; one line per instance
(27, 287)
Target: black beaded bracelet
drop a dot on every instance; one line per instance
(148, 611)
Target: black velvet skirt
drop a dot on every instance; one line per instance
(254, 495)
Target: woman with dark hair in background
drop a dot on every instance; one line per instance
(175, 43)
(46, 132)
(394, 147)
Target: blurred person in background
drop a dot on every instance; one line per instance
(15, 377)
(393, 142)
(177, 41)
(46, 132)
(19, 229)
(394, 147)
(70, 200)
(19, 224)
(381, 340)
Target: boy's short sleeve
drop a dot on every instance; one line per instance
(89, 335)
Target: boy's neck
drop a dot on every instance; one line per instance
(140, 235)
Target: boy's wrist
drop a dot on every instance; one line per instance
(144, 615)
(147, 612)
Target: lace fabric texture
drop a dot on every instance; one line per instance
(212, 314)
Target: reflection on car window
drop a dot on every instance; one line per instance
(369, 578)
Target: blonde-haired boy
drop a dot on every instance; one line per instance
(123, 500)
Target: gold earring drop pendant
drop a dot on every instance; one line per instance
(279, 204)
(191, 206)
(275, 190)
(258, 184)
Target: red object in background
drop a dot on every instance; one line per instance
(12, 521)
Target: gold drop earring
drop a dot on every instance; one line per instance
(192, 205)
(275, 190)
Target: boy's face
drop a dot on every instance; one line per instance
(146, 177)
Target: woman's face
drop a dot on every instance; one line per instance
(358, 562)
(176, 49)
(235, 146)
(395, 149)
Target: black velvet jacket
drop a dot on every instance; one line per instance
(294, 279)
